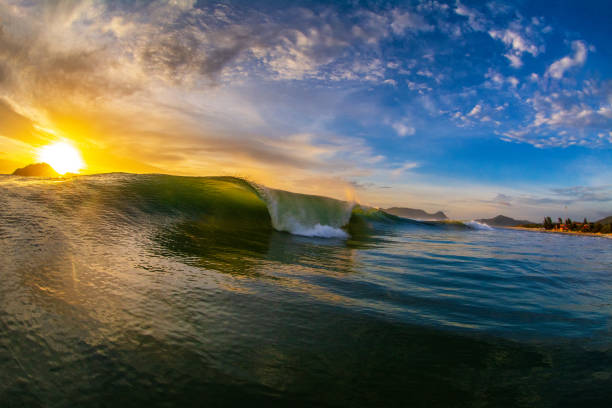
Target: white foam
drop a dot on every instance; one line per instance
(478, 225)
(321, 231)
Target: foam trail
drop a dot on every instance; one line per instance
(478, 225)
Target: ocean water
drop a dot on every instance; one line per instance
(152, 290)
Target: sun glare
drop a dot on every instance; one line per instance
(62, 156)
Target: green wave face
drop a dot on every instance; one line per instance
(230, 203)
(227, 201)
(236, 203)
(223, 223)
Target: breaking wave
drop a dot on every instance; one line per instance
(216, 206)
(222, 204)
(478, 225)
(306, 215)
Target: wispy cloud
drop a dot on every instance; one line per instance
(517, 44)
(407, 166)
(476, 20)
(558, 68)
(571, 117)
(402, 21)
(563, 196)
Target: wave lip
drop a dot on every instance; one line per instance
(479, 226)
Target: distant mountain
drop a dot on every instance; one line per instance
(416, 214)
(36, 170)
(607, 220)
(503, 221)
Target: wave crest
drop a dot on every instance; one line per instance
(478, 225)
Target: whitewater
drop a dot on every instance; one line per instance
(156, 290)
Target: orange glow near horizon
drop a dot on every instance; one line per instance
(62, 156)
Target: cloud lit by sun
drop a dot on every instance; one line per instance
(321, 97)
(62, 156)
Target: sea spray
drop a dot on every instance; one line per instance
(306, 215)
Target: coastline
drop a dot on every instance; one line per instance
(588, 234)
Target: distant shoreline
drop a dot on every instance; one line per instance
(589, 234)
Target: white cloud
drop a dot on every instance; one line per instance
(119, 27)
(407, 21)
(475, 110)
(403, 129)
(407, 166)
(515, 60)
(501, 107)
(605, 111)
(567, 117)
(426, 73)
(432, 5)
(475, 20)
(574, 116)
(183, 4)
(517, 43)
(495, 80)
(558, 68)
(420, 87)
(514, 40)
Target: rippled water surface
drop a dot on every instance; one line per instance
(124, 290)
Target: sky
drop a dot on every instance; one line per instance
(475, 108)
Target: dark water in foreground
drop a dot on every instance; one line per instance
(124, 290)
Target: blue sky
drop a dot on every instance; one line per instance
(474, 108)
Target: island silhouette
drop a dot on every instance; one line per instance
(36, 170)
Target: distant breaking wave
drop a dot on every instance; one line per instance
(478, 225)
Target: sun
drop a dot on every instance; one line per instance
(62, 156)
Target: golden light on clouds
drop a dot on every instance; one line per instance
(62, 156)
